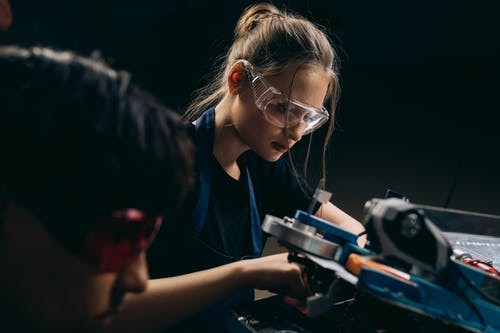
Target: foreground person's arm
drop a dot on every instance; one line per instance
(170, 300)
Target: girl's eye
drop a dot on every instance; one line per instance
(308, 118)
(296, 112)
(281, 107)
(278, 108)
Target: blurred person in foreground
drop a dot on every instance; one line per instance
(91, 166)
(5, 15)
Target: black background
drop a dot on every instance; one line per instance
(419, 106)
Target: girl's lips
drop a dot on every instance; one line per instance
(279, 147)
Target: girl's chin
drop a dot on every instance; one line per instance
(273, 157)
(270, 155)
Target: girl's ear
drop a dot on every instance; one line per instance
(235, 78)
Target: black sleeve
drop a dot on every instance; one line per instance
(279, 191)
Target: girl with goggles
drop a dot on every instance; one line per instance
(269, 93)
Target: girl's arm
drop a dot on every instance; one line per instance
(332, 213)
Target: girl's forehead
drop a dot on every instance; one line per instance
(306, 83)
(298, 74)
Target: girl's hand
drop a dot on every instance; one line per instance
(276, 274)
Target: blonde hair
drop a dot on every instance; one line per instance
(271, 40)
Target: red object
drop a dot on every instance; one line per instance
(295, 303)
(116, 243)
(480, 265)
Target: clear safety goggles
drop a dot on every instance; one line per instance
(280, 109)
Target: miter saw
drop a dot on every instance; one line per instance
(432, 262)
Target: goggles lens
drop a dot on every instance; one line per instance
(280, 109)
(117, 242)
(286, 113)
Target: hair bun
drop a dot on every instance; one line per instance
(253, 15)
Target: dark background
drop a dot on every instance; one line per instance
(419, 106)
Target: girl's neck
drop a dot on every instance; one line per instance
(228, 145)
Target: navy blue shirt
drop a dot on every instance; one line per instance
(227, 227)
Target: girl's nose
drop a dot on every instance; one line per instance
(295, 133)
